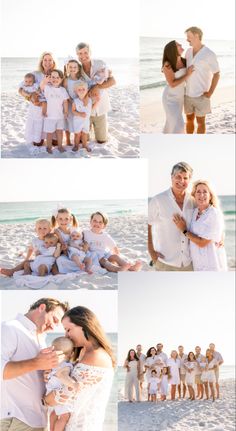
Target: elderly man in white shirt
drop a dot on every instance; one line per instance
(202, 83)
(23, 360)
(98, 118)
(168, 247)
(220, 361)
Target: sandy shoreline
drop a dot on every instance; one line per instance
(123, 122)
(221, 120)
(129, 232)
(181, 415)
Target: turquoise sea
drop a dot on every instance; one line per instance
(151, 51)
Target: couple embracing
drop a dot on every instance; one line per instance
(191, 82)
(75, 391)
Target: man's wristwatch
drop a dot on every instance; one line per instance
(185, 231)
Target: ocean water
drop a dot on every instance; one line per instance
(13, 69)
(151, 51)
(110, 423)
(27, 212)
(226, 372)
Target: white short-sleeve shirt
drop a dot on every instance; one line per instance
(55, 97)
(205, 65)
(182, 361)
(210, 226)
(101, 242)
(21, 396)
(218, 356)
(104, 105)
(167, 238)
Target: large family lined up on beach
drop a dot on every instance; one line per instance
(191, 81)
(186, 232)
(69, 381)
(70, 101)
(61, 247)
(180, 371)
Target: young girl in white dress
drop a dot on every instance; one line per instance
(165, 377)
(176, 74)
(131, 381)
(153, 386)
(190, 367)
(57, 108)
(72, 77)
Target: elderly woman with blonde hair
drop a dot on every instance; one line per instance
(205, 231)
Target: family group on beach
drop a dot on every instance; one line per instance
(191, 81)
(195, 371)
(67, 384)
(71, 101)
(60, 246)
(186, 231)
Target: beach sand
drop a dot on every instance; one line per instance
(123, 120)
(221, 120)
(129, 232)
(184, 415)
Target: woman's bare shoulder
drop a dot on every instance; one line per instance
(98, 358)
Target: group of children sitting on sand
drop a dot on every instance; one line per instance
(61, 240)
(67, 102)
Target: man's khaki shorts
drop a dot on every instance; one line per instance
(99, 123)
(198, 380)
(200, 106)
(13, 424)
(160, 266)
(217, 373)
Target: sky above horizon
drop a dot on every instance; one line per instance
(14, 301)
(59, 27)
(172, 18)
(42, 180)
(177, 308)
(211, 157)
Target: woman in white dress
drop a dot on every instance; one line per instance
(212, 365)
(34, 124)
(176, 74)
(174, 364)
(93, 371)
(132, 366)
(206, 230)
(190, 366)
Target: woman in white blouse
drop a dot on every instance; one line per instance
(205, 230)
(174, 364)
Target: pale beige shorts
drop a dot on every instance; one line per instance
(99, 124)
(160, 266)
(200, 106)
(13, 424)
(198, 380)
(182, 378)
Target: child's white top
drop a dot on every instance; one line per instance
(80, 107)
(55, 97)
(65, 236)
(37, 244)
(44, 251)
(99, 242)
(29, 88)
(54, 382)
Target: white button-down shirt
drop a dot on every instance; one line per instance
(167, 238)
(21, 396)
(205, 65)
(104, 103)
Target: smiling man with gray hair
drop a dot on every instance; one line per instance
(168, 246)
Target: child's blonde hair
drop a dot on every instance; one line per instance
(51, 236)
(64, 344)
(75, 222)
(43, 220)
(79, 84)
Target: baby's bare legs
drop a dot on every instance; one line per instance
(77, 141)
(52, 420)
(49, 142)
(42, 270)
(88, 263)
(61, 422)
(59, 134)
(85, 141)
(27, 269)
(78, 262)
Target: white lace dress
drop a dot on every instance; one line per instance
(173, 102)
(90, 402)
